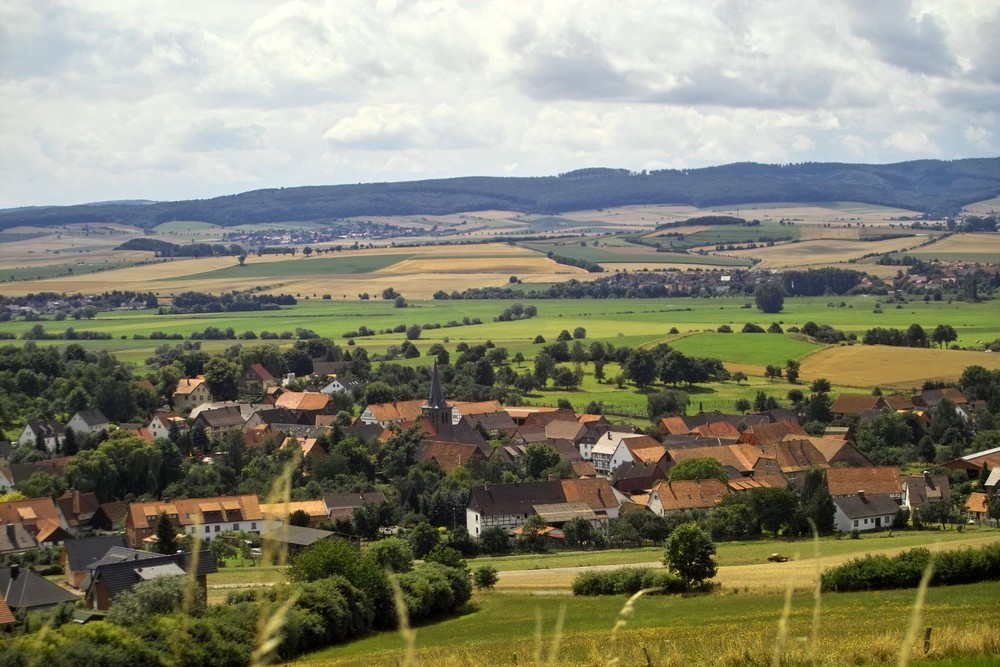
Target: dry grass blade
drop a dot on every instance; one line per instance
(906, 650)
(408, 634)
(786, 612)
(627, 610)
(271, 617)
(817, 599)
(557, 637)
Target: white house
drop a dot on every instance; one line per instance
(604, 447)
(205, 518)
(90, 422)
(340, 386)
(161, 423)
(191, 392)
(508, 506)
(50, 430)
(863, 512)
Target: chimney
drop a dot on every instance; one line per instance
(861, 494)
(15, 570)
(927, 477)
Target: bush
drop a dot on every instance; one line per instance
(959, 566)
(485, 577)
(627, 581)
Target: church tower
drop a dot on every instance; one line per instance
(436, 409)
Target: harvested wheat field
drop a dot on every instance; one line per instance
(826, 251)
(984, 246)
(897, 367)
(816, 214)
(801, 571)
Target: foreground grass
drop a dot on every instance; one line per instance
(733, 629)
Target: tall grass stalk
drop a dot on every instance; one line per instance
(623, 614)
(408, 634)
(271, 618)
(817, 599)
(786, 612)
(916, 618)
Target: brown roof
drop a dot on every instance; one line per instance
(565, 430)
(796, 455)
(719, 429)
(689, 494)
(835, 450)
(308, 401)
(398, 411)
(855, 404)
(543, 418)
(872, 480)
(449, 455)
(898, 402)
(477, 408)
(739, 457)
(6, 617)
(30, 511)
(187, 385)
(189, 510)
(74, 504)
(584, 469)
(314, 508)
(674, 426)
(595, 491)
(977, 502)
(261, 373)
(763, 435)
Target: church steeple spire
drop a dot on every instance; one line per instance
(436, 409)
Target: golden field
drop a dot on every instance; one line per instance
(827, 251)
(897, 367)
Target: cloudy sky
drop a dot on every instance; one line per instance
(104, 100)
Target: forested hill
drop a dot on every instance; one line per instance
(931, 186)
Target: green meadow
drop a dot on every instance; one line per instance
(500, 628)
(618, 321)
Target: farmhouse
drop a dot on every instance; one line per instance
(49, 431)
(110, 577)
(920, 490)
(342, 505)
(796, 457)
(387, 414)
(162, 422)
(203, 517)
(864, 512)
(973, 463)
(256, 378)
(219, 420)
(190, 393)
(79, 554)
(29, 524)
(977, 507)
(90, 422)
(689, 494)
(764, 435)
(508, 506)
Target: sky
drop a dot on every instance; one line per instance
(106, 100)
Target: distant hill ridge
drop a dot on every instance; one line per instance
(935, 187)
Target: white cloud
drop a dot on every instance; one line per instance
(193, 99)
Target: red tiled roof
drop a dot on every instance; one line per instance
(872, 480)
(690, 493)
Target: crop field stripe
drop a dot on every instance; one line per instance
(303, 267)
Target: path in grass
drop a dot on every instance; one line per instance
(760, 576)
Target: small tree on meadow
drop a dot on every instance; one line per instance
(689, 554)
(485, 577)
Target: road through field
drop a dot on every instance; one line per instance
(802, 570)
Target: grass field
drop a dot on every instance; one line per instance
(753, 349)
(620, 322)
(962, 247)
(630, 253)
(736, 629)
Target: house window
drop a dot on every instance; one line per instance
(855, 523)
(216, 529)
(253, 525)
(208, 528)
(236, 526)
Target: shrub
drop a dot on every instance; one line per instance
(485, 577)
(627, 581)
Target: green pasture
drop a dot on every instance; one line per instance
(64, 269)
(630, 323)
(724, 234)
(506, 629)
(304, 267)
(630, 253)
(757, 349)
